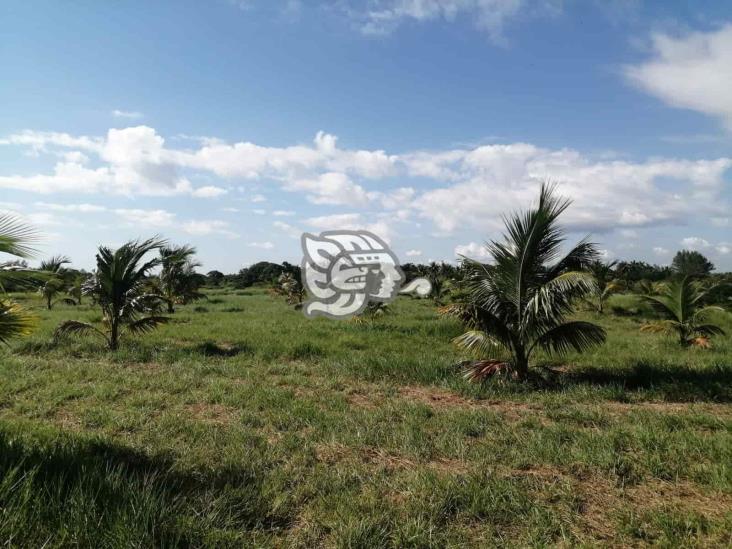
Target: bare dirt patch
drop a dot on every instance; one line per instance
(67, 419)
(333, 453)
(444, 399)
(214, 414)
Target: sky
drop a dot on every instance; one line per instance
(235, 126)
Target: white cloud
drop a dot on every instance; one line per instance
(230, 210)
(259, 211)
(289, 230)
(82, 208)
(209, 191)
(126, 114)
(495, 179)
(352, 222)
(283, 213)
(473, 250)
(658, 250)
(723, 248)
(331, 188)
(146, 218)
(262, 245)
(694, 243)
(691, 71)
(384, 16)
(413, 253)
(466, 188)
(202, 228)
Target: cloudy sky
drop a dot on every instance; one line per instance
(237, 125)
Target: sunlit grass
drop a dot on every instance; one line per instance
(243, 423)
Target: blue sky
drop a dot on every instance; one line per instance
(236, 126)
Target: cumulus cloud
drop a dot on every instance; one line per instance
(413, 253)
(466, 188)
(694, 243)
(658, 250)
(209, 191)
(690, 71)
(352, 222)
(472, 250)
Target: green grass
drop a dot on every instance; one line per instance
(243, 423)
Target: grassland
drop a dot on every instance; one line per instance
(242, 423)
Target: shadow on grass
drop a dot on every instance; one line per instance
(65, 491)
(666, 381)
(210, 348)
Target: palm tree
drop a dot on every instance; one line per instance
(53, 268)
(178, 281)
(54, 264)
(521, 303)
(16, 238)
(118, 287)
(648, 287)
(605, 282)
(50, 291)
(682, 303)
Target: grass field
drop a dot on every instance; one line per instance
(241, 423)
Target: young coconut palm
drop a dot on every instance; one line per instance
(682, 302)
(521, 303)
(605, 283)
(53, 269)
(118, 287)
(16, 239)
(178, 280)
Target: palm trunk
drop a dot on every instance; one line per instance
(114, 334)
(48, 303)
(171, 310)
(521, 364)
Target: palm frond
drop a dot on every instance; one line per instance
(16, 236)
(147, 324)
(479, 371)
(54, 264)
(577, 335)
(661, 327)
(76, 327)
(14, 321)
(478, 342)
(709, 330)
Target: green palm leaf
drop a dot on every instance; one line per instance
(14, 321)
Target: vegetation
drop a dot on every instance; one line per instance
(16, 239)
(250, 425)
(118, 286)
(605, 283)
(683, 306)
(242, 423)
(521, 304)
(178, 282)
(691, 263)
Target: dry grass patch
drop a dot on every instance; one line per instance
(332, 453)
(213, 414)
